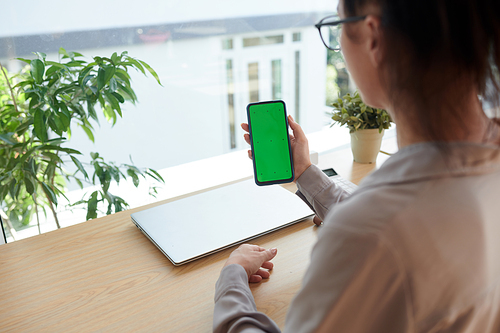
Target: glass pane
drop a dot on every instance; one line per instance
(227, 44)
(276, 79)
(268, 40)
(297, 86)
(230, 102)
(296, 37)
(331, 35)
(253, 81)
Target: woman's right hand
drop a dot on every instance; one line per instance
(299, 143)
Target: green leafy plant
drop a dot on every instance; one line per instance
(38, 107)
(350, 111)
(105, 174)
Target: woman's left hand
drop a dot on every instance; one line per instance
(253, 258)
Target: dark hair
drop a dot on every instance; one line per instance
(434, 44)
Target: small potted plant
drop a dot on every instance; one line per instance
(365, 124)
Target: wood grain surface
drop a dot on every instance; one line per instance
(104, 275)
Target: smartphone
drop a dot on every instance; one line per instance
(272, 153)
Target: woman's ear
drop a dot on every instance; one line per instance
(374, 34)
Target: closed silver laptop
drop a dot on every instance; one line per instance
(202, 224)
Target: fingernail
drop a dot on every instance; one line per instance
(274, 250)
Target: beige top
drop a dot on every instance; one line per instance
(415, 249)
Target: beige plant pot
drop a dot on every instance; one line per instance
(365, 145)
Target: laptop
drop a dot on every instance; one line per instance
(197, 226)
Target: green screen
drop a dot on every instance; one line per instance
(269, 134)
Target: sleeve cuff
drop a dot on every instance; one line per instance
(232, 276)
(312, 181)
(319, 191)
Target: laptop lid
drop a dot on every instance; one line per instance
(202, 224)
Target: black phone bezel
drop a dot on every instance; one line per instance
(272, 182)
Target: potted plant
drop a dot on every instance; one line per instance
(38, 107)
(365, 124)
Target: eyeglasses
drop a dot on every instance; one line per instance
(330, 29)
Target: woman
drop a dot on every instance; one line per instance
(422, 253)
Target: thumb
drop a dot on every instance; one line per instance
(298, 133)
(269, 254)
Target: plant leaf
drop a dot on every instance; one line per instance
(30, 188)
(83, 74)
(51, 70)
(79, 182)
(7, 138)
(37, 70)
(109, 71)
(118, 97)
(152, 71)
(124, 76)
(54, 147)
(136, 64)
(80, 167)
(135, 178)
(39, 125)
(88, 131)
(157, 175)
(91, 110)
(28, 61)
(100, 78)
(129, 93)
(113, 102)
(63, 52)
(92, 206)
(114, 58)
(49, 193)
(113, 85)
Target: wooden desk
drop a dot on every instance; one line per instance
(105, 275)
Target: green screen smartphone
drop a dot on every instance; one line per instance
(272, 153)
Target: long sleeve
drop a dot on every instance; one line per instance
(319, 191)
(354, 284)
(235, 309)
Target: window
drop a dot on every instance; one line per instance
(276, 79)
(212, 58)
(253, 81)
(227, 44)
(297, 86)
(257, 41)
(230, 103)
